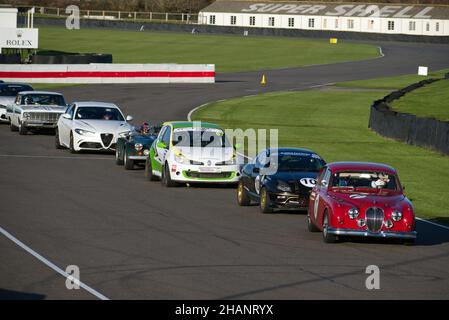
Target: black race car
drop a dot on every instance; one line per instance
(279, 178)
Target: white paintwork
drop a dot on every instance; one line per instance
(8, 17)
(67, 128)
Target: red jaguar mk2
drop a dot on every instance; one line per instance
(357, 199)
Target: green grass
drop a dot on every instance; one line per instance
(52, 86)
(398, 82)
(431, 101)
(229, 53)
(335, 124)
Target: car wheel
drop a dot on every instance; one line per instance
(118, 160)
(166, 179)
(265, 203)
(328, 238)
(149, 170)
(22, 129)
(129, 164)
(12, 127)
(242, 195)
(57, 142)
(72, 147)
(310, 226)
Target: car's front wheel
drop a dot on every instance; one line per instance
(129, 164)
(72, 146)
(242, 195)
(118, 160)
(57, 141)
(149, 170)
(265, 202)
(12, 127)
(166, 178)
(310, 226)
(22, 129)
(327, 237)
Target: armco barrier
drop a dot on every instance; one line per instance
(109, 73)
(424, 132)
(80, 58)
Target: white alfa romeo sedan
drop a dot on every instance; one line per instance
(91, 126)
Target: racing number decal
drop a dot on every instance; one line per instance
(308, 182)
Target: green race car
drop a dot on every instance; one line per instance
(192, 152)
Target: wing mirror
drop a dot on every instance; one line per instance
(67, 116)
(161, 145)
(129, 118)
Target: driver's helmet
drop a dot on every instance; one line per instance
(107, 115)
(145, 128)
(28, 100)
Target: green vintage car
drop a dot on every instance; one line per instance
(132, 150)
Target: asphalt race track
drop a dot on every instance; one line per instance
(133, 239)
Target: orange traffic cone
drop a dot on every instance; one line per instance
(264, 80)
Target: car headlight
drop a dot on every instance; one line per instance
(353, 213)
(124, 134)
(396, 215)
(283, 186)
(26, 115)
(180, 159)
(84, 132)
(138, 146)
(146, 152)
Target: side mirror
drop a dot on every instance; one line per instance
(161, 145)
(129, 118)
(256, 170)
(67, 116)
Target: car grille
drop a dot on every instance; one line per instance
(208, 175)
(374, 219)
(91, 145)
(44, 116)
(106, 138)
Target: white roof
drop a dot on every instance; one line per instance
(40, 92)
(95, 104)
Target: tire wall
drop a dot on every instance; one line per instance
(424, 132)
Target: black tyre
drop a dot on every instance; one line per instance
(242, 195)
(57, 142)
(12, 127)
(129, 164)
(310, 226)
(328, 238)
(149, 171)
(72, 147)
(166, 179)
(265, 202)
(118, 159)
(22, 129)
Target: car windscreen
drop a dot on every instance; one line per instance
(365, 180)
(11, 90)
(43, 99)
(98, 113)
(200, 137)
(296, 161)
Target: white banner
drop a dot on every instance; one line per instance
(21, 38)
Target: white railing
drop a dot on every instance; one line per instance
(121, 15)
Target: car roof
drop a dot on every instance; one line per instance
(40, 92)
(5, 84)
(288, 149)
(362, 166)
(95, 104)
(190, 124)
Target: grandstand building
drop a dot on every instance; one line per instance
(412, 19)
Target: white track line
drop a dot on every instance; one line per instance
(189, 118)
(50, 157)
(52, 265)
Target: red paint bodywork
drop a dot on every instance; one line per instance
(337, 203)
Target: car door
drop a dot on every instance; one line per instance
(254, 176)
(65, 125)
(321, 196)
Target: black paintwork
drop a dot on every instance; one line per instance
(297, 198)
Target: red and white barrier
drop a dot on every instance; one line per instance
(108, 73)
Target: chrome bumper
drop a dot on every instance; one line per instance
(137, 158)
(381, 234)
